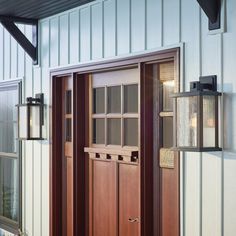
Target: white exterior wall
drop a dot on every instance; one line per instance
(109, 28)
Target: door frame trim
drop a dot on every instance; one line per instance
(146, 166)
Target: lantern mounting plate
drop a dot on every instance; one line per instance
(205, 83)
(39, 99)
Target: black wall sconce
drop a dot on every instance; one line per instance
(31, 118)
(196, 117)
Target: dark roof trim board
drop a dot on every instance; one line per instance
(29, 12)
(212, 9)
(32, 9)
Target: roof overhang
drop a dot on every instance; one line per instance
(29, 12)
(32, 9)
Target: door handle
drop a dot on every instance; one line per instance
(133, 220)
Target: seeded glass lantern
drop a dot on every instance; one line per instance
(196, 117)
(30, 118)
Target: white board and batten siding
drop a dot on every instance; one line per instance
(105, 29)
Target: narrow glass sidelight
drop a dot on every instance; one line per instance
(167, 132)
(68, 102)
(168, 89)
(68, 130)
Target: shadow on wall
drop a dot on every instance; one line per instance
(229, 101)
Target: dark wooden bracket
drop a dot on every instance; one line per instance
(212, 8)
(31, 49)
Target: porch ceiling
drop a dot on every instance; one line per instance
(37, 9)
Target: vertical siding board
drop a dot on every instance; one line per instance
(171, 22)
(54, 42)
(29, 160)
(64, 52)
(85, 38)
(137, 25)
(7, 55)
(44, 44)
(109, 28)
(21, 56)
(154, 23)
(45, 145)
(97, 31)
(37, 168)
(1, 53)
(66, 41)
(190, 25)
(123, 27)
(74, 37)
(192, 194)
(13, 68)
(211, 163)
(229, 89)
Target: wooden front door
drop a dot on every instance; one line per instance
(114, 170)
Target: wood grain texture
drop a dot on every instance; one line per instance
(147, 151)
(170, 200)
(80, 166)
(129, 200)
(104, 199)
(68, 161)
(56, 160)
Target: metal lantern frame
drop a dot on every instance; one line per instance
(206, 86)
(38, 101)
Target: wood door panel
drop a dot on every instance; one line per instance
(69, 194)
(104, 195)
(170, 201)
(129, 200)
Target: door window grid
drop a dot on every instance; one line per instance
(111, 115)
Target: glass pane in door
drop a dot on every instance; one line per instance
(131, 98)
(114, 99)
(114, 131)
(98, 100)
(131, 132)
(99, 131)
